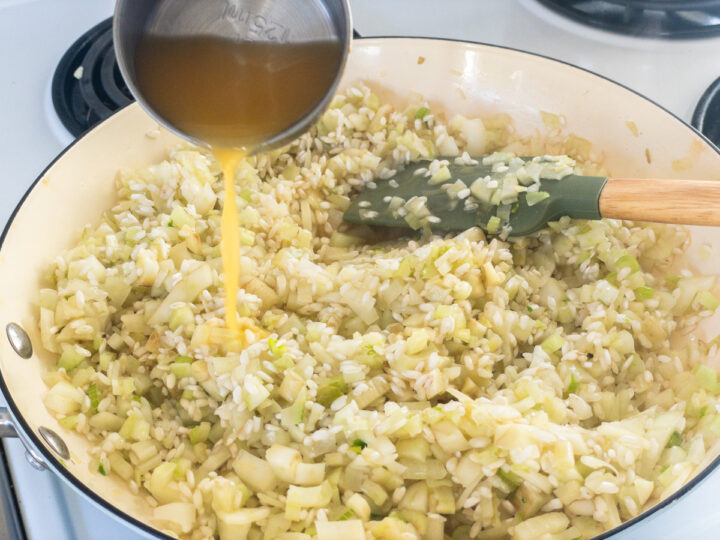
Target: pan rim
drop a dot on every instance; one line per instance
(54, 462)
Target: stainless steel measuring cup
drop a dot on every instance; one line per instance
(281, 21)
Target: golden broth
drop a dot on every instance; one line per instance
(233, 95)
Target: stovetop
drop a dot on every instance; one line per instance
(87, 86)
(34, 35)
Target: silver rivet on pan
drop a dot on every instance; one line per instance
(54, 442)
(19, 340)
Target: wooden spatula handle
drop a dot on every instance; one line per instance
(687, 202)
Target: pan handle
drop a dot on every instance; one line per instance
(9, 430)
(7, 427)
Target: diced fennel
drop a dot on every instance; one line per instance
(359, 505)
(92, 393)
(104, 359)
(535, 197)
(503, 213)
(283, 363)
(181, 370)
(330, 390)
(707, 300)
(247, 237)
(63, 398)
(105, 421)
(707, 378)
(255, 472)
(421, 113)
(254, 391)
(161, 484)
(676, 439)
(120, 466)
(475, 135)
(552, 343)
(309, 474)
(442, 500)
(605, 292)
(417, 341)
(70, 359)
(358, 445)
(573, 386)
(432, 469)
(135, 428)
(284, 461)
(528, 500)
(276, 526)
(550, 523)
(200, 432)
(435, 529)
(186, 290)
(217, 458)
(142, 451)
(440, 176)
(509, 479)
(347, 514)
(449, 437)
(393, 528)
(416, 497)
(493, 225)
(309, 497)
(180, 316)
(374, 491)
(236, 525)
(509, 195)
(644, 292)
(687, 290)
(482, 190)
(351, 529)
(416, 449)
(339, 239)
(69, 422)
(180, 218)
(662, 428)
(177, 516)
(627, 261)
(295, 413)
(276, 348)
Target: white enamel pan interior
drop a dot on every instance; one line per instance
(460, 77)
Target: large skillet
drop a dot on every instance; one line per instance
(456, 76)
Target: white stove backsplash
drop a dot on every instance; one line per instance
(32, 136)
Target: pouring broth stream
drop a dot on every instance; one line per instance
(233, 95)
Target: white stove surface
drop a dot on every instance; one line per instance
(35, 33)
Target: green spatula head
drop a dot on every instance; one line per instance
(467, 196)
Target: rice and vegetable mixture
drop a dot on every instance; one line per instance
(389, 388)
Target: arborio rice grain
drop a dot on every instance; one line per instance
(457, 385)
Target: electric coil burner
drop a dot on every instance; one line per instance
(706, 117)
(667, 19)
(87, 86)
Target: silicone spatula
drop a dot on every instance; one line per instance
(689, 202)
